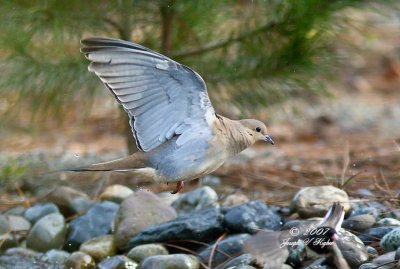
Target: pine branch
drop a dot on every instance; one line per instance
(221, 44)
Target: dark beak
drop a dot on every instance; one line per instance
(268, 139)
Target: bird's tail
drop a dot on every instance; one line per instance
(334, 217)
(133, 162)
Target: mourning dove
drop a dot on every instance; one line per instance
(271, 248)
(178, 133)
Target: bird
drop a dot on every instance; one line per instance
(271, 248)
(179, 135)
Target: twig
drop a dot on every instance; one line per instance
(214, 248)
(22, 194)
(346, 161)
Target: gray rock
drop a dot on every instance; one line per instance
(95, 222)
(391, 241)
(79, 260)
(371, 266)
(251, 217)
(22, 258)
(240, 262)
(139, 253)
(210, 180)
(198, 199)
(229, 246)
(18, 224)
(99, 247)
(13, 230)
(371, 208)
(235, 200)
(297, 253)
(375, 234)
(384, 258)
(117, 262)
(56, 256)
(116, 193)
(140, 210)
(315, 201)
(15, 211)
(388, 222)
(203, 226)
(176, 261)
(34, 213)
(49, 232)
(20, 251)
(397, 254)
(372, 252)
(352, 248)
(359, 222)
(69, 200)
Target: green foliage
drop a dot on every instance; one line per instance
(253, 53)
(11, 171)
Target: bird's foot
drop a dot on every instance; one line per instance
(179, 187)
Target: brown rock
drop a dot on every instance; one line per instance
(138, 211)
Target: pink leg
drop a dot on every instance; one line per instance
(179, 187)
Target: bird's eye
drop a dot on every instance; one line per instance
(258, 129)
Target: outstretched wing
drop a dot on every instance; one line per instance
(162, 97)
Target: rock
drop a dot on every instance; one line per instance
(359, 222)
(212, 181)
(139, 253)
(198, 199)
(117, 262)
(371, 208)
(37, 211)
(352, 248)
(99, 247)
(372, 252)
(15, 211)
(22, 258)
(375, 234)
(79, 260)
(388, 222)
(297, 253)
(69, 200)
(384, 259)
(18, 229)
(239, 262)
(251, 217)
(315, 201)
(20, 251)
(229, 246)
(5, 234)
(4, 225)
(140, 210)
(203, 226)
(370, 266)
(235, 200)
(391, 241)
(95, 222)
(116, 193)
(57, 256)
(176, 261)
(47, 233)
(397, 254)
(18, 224)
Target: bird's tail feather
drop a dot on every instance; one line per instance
(130, 163)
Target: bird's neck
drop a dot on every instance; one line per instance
(237, 138)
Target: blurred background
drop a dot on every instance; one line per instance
(323, 75)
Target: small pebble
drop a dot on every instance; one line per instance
(176, 261)
(117, 262)
(99, 247)
(79, 260)
(391, 241)
(34, 213)
(139, 253)
(198, 199)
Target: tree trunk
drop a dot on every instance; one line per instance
(167, 19)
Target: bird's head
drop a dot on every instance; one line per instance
(257, 129)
